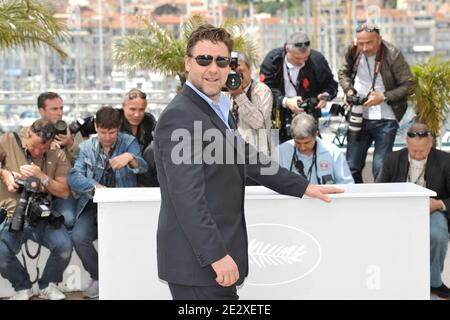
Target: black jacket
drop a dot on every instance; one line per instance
(394, 70)
(314, 78)
(437, 172)
(316, 71)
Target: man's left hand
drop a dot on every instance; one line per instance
(375, 98)
(32, 170)
(435, 205)
(120, 161)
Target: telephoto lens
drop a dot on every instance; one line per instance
(61, 127)
(234, 79)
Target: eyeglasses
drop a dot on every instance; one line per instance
(368, 28)
(302, 44)
(134, 94)
(206, 59)
(420, 134)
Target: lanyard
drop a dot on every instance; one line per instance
(313, 164)
(290, 78)
(376, 68)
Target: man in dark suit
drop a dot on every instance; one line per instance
(428, 167)
(202, 236)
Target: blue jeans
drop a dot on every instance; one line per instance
(57, 240)
(439, 244)
(67, 208)
(382, 132)
(84, 234)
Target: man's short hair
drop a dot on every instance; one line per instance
(134, 94)
(44, 129)
(210, 33)
(298, 41)
(107, 118)
(46, 96)
(303, 125)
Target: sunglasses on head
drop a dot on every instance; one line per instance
(206, 59)
(302, 44)
(368, 28)
(135, 94)
(420, 134)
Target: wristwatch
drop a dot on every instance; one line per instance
(46, 181)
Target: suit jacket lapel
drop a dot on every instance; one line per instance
(404, 165)
(430, 168)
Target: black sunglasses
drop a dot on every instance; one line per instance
(206, 59)
(302, 44)
(368, 28)
(135, 94)
(420, 134)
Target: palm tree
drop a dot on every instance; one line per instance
(28, 23)
(155, 49)
(431, 92)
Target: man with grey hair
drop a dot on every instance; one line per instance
(424, 165)
(295, 73)
(252, 107)
(306, 154)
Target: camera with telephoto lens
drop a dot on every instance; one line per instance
(234, 78)
(356, 100)
(355, 116)
(84, 126)
(33, 206)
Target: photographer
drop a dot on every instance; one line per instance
(51, 109)
(134, 120)
(29, 157)
(251, 107)
(111, 159)
(376, 79)
(318, 161)
(295, 73)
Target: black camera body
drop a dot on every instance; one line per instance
(356, 100)
(3, 215)
(33, 206)
(309, 105)
(337, 109)
(234, 79)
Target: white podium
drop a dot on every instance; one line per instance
(371, 242)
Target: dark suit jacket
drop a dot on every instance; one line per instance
(437, 172)
(202, 205)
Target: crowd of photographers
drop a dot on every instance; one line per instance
(50, 171)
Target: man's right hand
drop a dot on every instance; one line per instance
(8, 180)
(320, 192)
(292, 104)
(226, 270)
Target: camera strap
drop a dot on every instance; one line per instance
(313, 164)
(376, 68)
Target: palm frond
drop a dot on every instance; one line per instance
(155, 49)
(430, 92)
(29, 24)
